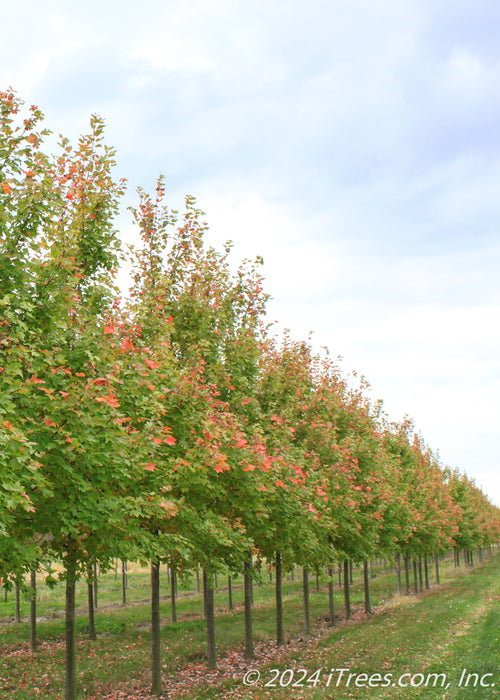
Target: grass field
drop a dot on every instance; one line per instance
(443, 631)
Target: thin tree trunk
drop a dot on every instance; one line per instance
(70, 680)
(17, 612)
(5, 595)
(347, 598)
(279, 602)
(317, 581)
(420, 574)
(331, 607)
(33, 635)
(197, 578)
(407, 574)
(398, 572)
(204, 594)
(415, 574)
(90, 599)
(173, 591)
(210, 610)
(426, 572)
(366, 579)
(95, 586)
(247, 584)
(350, 572)
(340, 575)
(156, 686)
(436, 564)
(124, 582)
(230, 592)
(305, 591)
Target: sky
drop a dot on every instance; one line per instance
(354, 145)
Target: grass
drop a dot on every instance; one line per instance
(449, 628)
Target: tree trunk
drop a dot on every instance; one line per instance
(317, 581)
(173, 591)
(347, 599)
(305, 592)
(230, 592)
(420, 574)
(279, 602)
(90, 599)
(436, 563)
(33, 636)
(426, 572)
(197, 578)
(210, 614)
(407, 574)
(398, 572)
(331, 607)
(247, 584)
(366, 578)
(156, 687)
(415, 574)
(70, 681)
(17, 612)
(350, 572)
(124, 582)
(95, 586)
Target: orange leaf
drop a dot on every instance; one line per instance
(35, 380)
(108, 330)
(127, 344)
(170, 440)
(6, 188)
(152, 364)
(150, 467)
(169, 507)
(109, 399)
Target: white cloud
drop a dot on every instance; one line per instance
(354, 145)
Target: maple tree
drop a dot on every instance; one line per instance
(171, 426)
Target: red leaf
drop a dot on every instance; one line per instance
(152, 364)
(108, 330)
(35, 380)
(170, 440)
(150, 467)
(109, 399)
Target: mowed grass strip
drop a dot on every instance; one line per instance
(120, 657)
(443, 644)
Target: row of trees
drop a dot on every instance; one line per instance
(172, 425)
